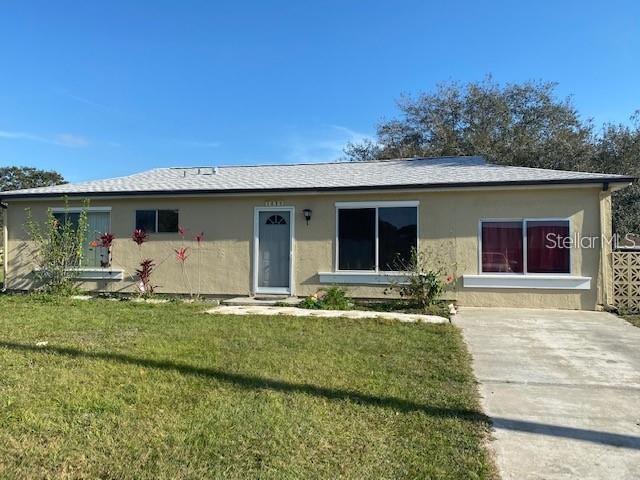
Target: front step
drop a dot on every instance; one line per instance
(262, 300)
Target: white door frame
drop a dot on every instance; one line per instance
(256, 250)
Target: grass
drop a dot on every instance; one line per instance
(632, 319)
(125, 390)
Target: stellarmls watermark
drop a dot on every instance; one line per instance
(558, 240)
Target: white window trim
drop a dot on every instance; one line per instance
(526, 280)
(256, 250)
(531, 281)
(399, 203)
(80, 209)
(155, 230)
(375, 205)
(90, 273)
(524, 221)
(95, 273)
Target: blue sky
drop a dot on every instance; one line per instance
(98, 89)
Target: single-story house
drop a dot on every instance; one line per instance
(507, 236)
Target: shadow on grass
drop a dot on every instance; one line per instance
(251, 382)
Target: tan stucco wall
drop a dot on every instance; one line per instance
(448, 225)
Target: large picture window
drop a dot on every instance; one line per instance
(376, 237)
(525, 246)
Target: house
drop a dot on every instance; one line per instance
(509, 236)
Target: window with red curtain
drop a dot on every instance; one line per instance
(502, 247)
(548, 250)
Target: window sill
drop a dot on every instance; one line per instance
(363, 278)
(549, 282)
(88, 273)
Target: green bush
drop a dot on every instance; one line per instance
(59, 247)
(423, 286)
(332, 298)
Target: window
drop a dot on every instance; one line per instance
(397, 233)
(546, 252)
(157, 221)
(525, 246)
(376, 237)
(167, 221)
(146, 220)
(356, 239)
(98, 222)
(502, 247)
(276, 220)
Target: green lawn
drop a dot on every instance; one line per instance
(632, 319)
(127, 390)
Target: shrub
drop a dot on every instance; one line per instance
(144, 272)
(139, 236)
(59, 249)
(422, 286)
(332, 298)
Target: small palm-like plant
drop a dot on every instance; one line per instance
(144, 272)
(139, 236)
(147, 265)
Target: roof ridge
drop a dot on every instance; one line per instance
(329, 162)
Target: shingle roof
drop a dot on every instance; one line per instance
(388, 174)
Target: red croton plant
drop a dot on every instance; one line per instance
(147, 265)
(144, 272)
(139, 236)
(182, 255)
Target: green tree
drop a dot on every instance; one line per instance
(16, 178)
(524, 124)
(617, 150)
(514, 124)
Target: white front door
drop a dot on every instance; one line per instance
(273, 256)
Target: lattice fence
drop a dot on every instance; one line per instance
(626, 280)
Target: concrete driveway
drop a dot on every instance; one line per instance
(562, 388)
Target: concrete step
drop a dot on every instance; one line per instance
(262, 300)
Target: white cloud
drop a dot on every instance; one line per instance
(80, 99)
(60, 139)
(70, 140)
(21, 136)
(322, 145)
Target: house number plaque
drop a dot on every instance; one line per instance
(273, 203)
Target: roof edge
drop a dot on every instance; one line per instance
(427, 186)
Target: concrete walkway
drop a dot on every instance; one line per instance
(301, 312)
(562, 388)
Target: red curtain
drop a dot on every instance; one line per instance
(547, 247)
(502, 247)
